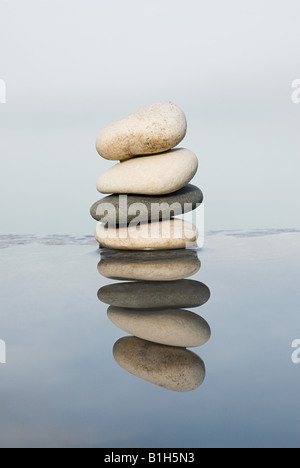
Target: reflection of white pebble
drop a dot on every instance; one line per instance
(176, 369)
(2, 92)
(172, 327)
(151, 269)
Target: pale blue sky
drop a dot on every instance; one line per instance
(73, 66)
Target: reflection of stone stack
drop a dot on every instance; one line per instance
(154, 313)
(151, 183)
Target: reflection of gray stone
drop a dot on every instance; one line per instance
(175, 369)
(155, 294)
(152, 265)
(125, 209)
(173, 327)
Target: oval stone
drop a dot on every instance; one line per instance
(165, 265)
(175, 369)
(150, 175)
(123, 209)
(155, 294)
(167, 234)
(172, 327)
(153, 129)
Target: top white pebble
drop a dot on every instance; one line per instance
(151, 130)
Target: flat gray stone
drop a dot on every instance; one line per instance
(119, 210)
(176, 369)
(155, 294)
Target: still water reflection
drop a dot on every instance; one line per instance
(61, 386)
(151, 308)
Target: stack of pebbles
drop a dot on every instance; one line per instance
(150, 185)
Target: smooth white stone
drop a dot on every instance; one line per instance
(167, 234)
(150, 175)
(153, 129)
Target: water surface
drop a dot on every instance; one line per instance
(61, 385)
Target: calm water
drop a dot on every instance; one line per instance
(61, 385)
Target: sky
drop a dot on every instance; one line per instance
(68, 68)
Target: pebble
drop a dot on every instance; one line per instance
(175, 369)
(167, 234)
(155, 294)
(149, 265)
(150, 175)
(123, 209)
(171, 327)
(153, 129)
